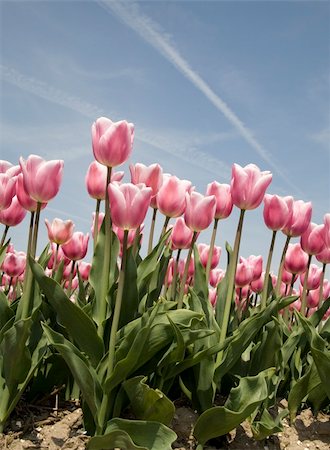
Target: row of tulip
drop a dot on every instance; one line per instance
(209, 317)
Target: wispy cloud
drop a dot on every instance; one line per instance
(322, 137)
(151, 32)
(179, 145)
(47, 92)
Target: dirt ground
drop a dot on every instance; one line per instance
(38, 427)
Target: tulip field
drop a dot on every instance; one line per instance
(142, 325)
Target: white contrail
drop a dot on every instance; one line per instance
(47, 92)
(151, 32)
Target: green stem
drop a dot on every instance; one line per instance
(209, 259)
(114, 328)
(186, 269)
(304, 291)
(321, 285)
(28, 281)
(4, 235)
(264, 293)
(136, 241)
(152, 229)
(68, 292)
(286, 312)
(167, 219)
(175, 275)
(96, 222)
(55, 260)
(102, 301)
(280, 269)
(231, 284)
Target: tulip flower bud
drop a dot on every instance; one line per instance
(23, 197)
(84, 269)
(276, 211)
(171, 197)
(181, 235)
(224, 201)
(299, 218)
(314, 277)
(7, 190)
(41, 178)
(59, 231)
(244, 273)
(14, 263)
(13, 215)
(295, 259)
(112, 141)
(213, 296)
(312, 240)
(327, 230)
(151, 176)
(216, 275)
(199, 211)
(129, 204)
(248, 186)
(324, 256)
(76, 248)
(204, 250)
(256, 263)
(96, 180)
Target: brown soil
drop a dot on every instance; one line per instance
(41, 427)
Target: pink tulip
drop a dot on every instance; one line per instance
(67, 271)
(314, 277)
(5, 165)
(295, 305)
(256, 263)
(224, 201)
(312, 240)
(59, 231)
(299, 218)
(295, 259)
(181, 235)
(41, 178)
(23, 197)
(324, 256)
(287, 277)
(112, 141)
(276, 211)
(76, 248)
(182, 264)
(151, 176)
(258, 284)
(244, 273)
(130, 237)
(204, 250)
(248, 186)
(327, 230)
(313, 297)
(96, 180)
(84, 269)
(169, 272)
(199, 211)
(171, 197)
(60, 256)
(74, 283)
(7, 190)
(213, 296)
(7, 168)
(14, 264)
(129, 204)
(13, 215)
(216, 275)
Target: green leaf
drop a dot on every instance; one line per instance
(83, 373)
(268, 425)
(302, 388)
(134, 435)
(79, 326)
(241, 403)
(130, 302)
(147, 403)
(5, 311)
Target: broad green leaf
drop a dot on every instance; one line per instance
(302, 388)
(130, 302)
(268, 425)
(16, 361)
(5, 311)
(147, 403)
(262, 358)
(317, 316)
(79, 326)
(200, 284)
(134, 435)
(241, 403)
(84, 374)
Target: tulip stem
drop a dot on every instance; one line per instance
(167, 219)
(152, 229)
(231, 284)
(211, 248)
(26, 299)
(321, 285)
(280, 269)
(114, 329)
(96, 222)
(304, 291)
(106, 261)
(264, 294)
(186, 269)
(55, 260)
(4, 234)
(70, 279)
(136, 241)
(175, 275)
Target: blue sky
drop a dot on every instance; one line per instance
(206, 84)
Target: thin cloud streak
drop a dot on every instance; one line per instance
(185, 151)
(150, 31)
